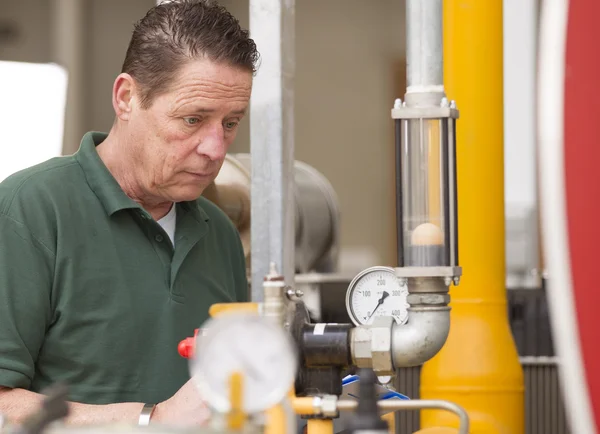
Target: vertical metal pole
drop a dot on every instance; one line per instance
(68, 50)
(424, 47)
(272, 141)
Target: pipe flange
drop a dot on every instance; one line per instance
(416, 299)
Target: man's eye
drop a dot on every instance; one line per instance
(231, 125)
(191, 121)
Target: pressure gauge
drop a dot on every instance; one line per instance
(250, 345)
(376, 291)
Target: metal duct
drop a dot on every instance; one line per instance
(316, 208)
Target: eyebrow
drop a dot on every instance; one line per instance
(206, 110)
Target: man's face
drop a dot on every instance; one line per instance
(180, 141)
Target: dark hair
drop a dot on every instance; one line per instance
(177, 31)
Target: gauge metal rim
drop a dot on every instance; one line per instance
(353, 283)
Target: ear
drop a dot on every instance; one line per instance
(123, 96)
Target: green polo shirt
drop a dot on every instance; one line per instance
(92, 292)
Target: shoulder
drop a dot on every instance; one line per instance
(37, 184)
(34, 197)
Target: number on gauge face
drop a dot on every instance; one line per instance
(378, 293)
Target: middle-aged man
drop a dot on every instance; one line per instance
(109, 257)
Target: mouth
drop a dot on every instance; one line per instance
(200, 175)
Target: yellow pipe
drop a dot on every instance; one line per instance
(304, 406)
(221, 308)
(438, 430)
(390, 418)
(276, 420)
(478, 367)
(319, 426)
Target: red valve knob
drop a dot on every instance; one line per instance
(186, 346)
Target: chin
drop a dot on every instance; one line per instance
(187, 194)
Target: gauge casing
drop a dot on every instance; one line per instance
(364, 296)
(252, 346)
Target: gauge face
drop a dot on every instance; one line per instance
(261, 352)
(376, 292)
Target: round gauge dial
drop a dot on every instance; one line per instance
(249, 344)
(375, 292)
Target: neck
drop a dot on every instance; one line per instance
(123, 168)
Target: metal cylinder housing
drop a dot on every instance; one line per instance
(317, 212)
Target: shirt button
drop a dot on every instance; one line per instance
(158, 238)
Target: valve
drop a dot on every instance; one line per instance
(186, 347)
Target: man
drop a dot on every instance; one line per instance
(109, 257)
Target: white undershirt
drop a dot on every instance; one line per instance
(168, 223)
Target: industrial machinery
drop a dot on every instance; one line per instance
(273, 356)
(260, 365)
(400, 315)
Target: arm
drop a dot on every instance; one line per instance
(185, 408)
(26, 300)
(16, 404)
(26, 275)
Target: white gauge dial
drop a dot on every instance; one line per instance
(375, 292)
(249, 344)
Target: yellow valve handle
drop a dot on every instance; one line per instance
(236, 416)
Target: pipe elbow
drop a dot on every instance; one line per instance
(422, 337)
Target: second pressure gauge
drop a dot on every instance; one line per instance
(249, 345)
(376, 291)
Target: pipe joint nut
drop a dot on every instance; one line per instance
(361, 347)
(329, 406)
(381, 345)
(372, 346)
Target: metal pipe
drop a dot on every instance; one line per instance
(424, 47)
(422, 337)
(273, 306)
(313, 406)
(68, 50)
(415, 404)
(272, 142)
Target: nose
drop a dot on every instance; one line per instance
(212, 143)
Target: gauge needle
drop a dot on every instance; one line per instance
(379, 303)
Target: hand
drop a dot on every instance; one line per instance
(185, 408)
